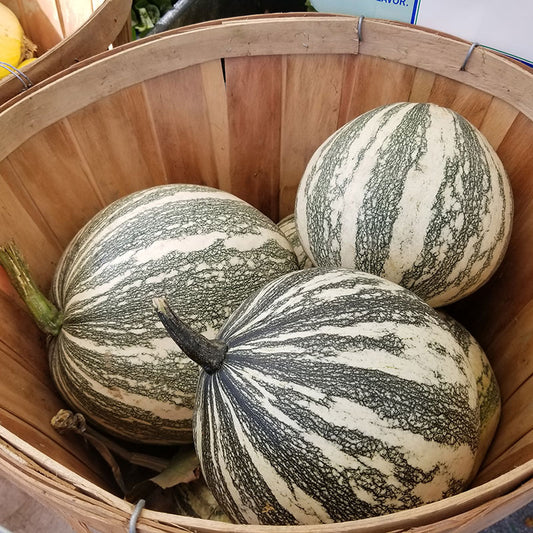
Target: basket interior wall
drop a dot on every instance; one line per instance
(247, 125)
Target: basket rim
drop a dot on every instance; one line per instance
(110, 71)
(68, 483)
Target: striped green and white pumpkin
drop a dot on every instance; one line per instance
(411, 192)
(206, 249)
(331, 395)
(488, 389)
(288, 227)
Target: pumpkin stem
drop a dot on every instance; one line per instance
(46, 315)
(64, 421)
(209, 354)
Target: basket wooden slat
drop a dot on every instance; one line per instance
(241, 105)
(20, 340)
(498, 121)
(191, 141)
(119, 130)
(259, 180)
(52, 158)
(28, 399)
(72, 19)
(372, 81)
(519, 453)
(16, 204)
(301, 89)
(513, 346)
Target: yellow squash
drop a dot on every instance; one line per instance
(15, 47)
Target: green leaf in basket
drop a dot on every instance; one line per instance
(184, 467)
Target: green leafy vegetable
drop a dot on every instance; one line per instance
(145, 14)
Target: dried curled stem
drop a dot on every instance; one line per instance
(66, 421)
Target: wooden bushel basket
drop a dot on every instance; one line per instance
(241, 104)
(64, 31)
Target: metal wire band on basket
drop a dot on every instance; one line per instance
(468, 54)
(135, 516)
(26, 82)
